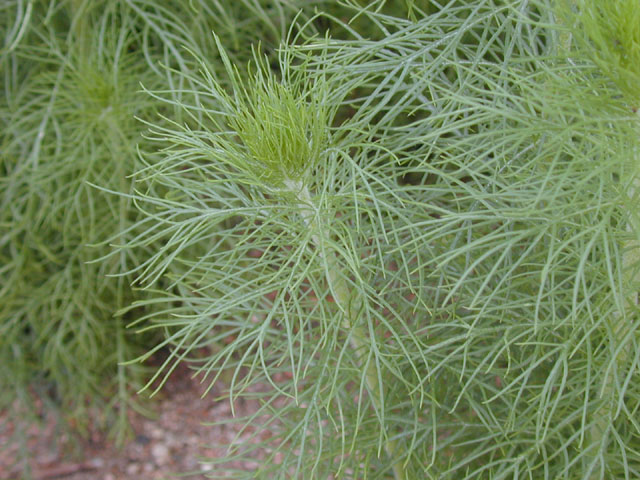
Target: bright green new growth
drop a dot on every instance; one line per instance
(609, 34)
(608, 31)
(283, 130)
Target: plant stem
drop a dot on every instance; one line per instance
(120, 154)
(343, 298)
(604, 416)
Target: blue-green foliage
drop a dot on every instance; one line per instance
(411, 230)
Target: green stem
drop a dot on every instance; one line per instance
(343, 297)
(604, 416)
(119, 152)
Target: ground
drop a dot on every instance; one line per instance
(171, 443)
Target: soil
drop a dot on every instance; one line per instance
(159, 448)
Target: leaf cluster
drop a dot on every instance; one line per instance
(447, 294)
(70, 74)
(414, 241)
(608, 33)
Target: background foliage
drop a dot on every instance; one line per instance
(424, 214)
(71, 118)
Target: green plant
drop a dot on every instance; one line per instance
(411, 230)
(432, 283)
(608, 33)
(71, 74)
(69, 123)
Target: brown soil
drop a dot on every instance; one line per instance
(169, 444)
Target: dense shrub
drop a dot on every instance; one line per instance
(414, 224)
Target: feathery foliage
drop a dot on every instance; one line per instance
(411, 231)
(435, 290)
(71, 75)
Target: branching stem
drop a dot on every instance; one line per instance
(343, 297)
(621, 327)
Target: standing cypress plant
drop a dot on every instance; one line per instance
(416, 245)
(71, 90)
(423, 245)
(607, 35)
(70, 74)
